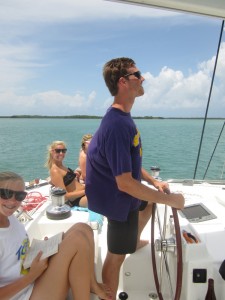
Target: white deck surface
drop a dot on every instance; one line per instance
(136, 276)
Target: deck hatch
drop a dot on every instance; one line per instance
(197, 212)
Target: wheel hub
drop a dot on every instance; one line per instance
(166, 245)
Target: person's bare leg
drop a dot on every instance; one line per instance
(79, 269)
(111, 271)
(144, 216)
(97, 288)
(70, 267)
(79, 186)
(83, 202)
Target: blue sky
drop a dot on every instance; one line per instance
(52, 53)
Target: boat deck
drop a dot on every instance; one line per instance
(136, 276)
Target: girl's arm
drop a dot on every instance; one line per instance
(37, 268)
(57, 180)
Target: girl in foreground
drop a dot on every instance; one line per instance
(72, 267)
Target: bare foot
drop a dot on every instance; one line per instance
(102, 291)
(141, 244)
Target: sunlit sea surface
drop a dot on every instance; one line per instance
(168, 143)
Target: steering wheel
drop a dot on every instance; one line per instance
(166, 252)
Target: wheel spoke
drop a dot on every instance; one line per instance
(164, 260)
(166, 245)
(168, 273)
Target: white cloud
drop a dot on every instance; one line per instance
(169, 91)
(21, 58)
(46, 103)
(172, 91)
(18, 64)
(22, 54)
(58, 10)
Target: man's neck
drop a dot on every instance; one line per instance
(118, 106)
(122, 106)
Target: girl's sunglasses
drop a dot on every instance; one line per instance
(60, 150)
(8, 194)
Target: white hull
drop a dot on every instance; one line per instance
(136, 277)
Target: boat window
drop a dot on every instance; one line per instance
(197, 213)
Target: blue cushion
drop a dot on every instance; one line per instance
(93, 216)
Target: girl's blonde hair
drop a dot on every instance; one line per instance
(51, 147)
(10, 176)
(86, 138)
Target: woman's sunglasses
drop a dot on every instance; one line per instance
(8, 194)
(60, 150)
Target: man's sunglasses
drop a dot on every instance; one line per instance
(60, 150)
(136, 74)
(8, 194)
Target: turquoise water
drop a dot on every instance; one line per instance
(170, 144)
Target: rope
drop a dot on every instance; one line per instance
(214, 150)
(33, 201)
(210, 92)
(221, 177)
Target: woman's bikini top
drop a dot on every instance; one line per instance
(69, 177)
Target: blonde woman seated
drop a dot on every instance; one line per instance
(64, 177)
(81, 170)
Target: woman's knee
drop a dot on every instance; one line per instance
(80, 226)
(82, 230)
(77, 240)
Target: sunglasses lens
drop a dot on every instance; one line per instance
(6, 194)
(60, 150)
(137, 74)
(20, 196)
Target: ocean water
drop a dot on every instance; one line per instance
(168, 143)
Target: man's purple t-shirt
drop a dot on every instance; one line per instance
(114, 149)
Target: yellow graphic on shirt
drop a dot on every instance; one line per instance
(136, 141)
(23, 250)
